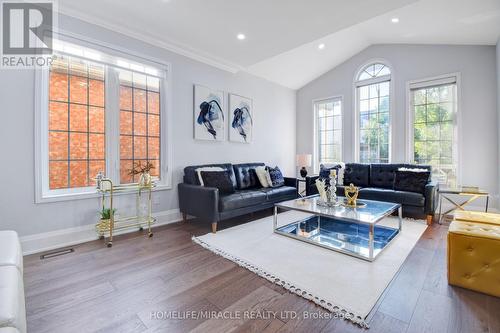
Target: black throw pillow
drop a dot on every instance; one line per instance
(218, 179)
(411, 181)
(276, 176)
(324, 172)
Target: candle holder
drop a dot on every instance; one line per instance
(327, 189)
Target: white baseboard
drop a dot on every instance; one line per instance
(71, 236)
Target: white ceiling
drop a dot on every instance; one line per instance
(283, 35)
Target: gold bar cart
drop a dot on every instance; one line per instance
(107, 227)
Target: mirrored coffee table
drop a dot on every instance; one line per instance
(353, 231)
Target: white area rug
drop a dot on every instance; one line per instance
(338, 282)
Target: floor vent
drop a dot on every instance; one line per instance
(56, 253)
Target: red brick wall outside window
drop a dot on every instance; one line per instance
(77, 133)
(139, 123)
(76, 122)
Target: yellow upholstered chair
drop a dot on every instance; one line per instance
(474, 252)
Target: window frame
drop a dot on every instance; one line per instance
(427, 83)
(316, 153)
(360, 83)
(112, 129)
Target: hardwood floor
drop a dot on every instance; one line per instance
(134, 285)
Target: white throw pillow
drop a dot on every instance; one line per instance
(413, 169)
(263, 175)
(199, 170)
(340, 176)
(268, 178)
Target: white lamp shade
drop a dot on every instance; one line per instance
(304, 160)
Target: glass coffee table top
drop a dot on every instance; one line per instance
(352, 231)
(370, 214)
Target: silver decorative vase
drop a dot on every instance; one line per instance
(333, 190)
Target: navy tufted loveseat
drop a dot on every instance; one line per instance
(376, 182)
(210, 205)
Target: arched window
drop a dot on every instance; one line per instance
(373, 84)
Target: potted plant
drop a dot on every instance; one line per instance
(106, 213)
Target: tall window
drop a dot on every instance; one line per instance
(102, 114)
(329, 130)
(433, 113)
(76, 122)
(373, 101)
(139, 123)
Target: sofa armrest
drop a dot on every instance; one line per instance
(292, 182)
(431, 197)
(199, 201)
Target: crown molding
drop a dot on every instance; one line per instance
(167, 45)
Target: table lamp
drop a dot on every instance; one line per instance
(303, 161)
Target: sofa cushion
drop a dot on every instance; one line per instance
(382, 175)
(12, 306)
(378, 194)
(241, 199)
(279, 192)
(246, 176)
(411, 198)
(10, 250)
(191, 176)
(401, 197)
(357, 174)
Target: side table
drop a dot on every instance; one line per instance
(447, 194)
(302, 193)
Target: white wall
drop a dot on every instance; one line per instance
(273, 136)
(479, 136)
(498, 104)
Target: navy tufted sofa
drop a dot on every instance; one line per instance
(210, 205)
(376, 182)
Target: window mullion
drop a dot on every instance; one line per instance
(112, 103)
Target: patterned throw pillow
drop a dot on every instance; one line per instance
(276, 176)
(218, 179)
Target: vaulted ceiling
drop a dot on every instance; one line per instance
(282, 36)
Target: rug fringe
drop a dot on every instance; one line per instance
(338, 310)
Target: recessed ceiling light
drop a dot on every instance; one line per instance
(394, 20)
(321, 46)
(241, 36)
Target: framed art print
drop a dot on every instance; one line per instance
(240, 119)
(209, 118)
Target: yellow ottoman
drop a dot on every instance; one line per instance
(478, 217)
(474, 256)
